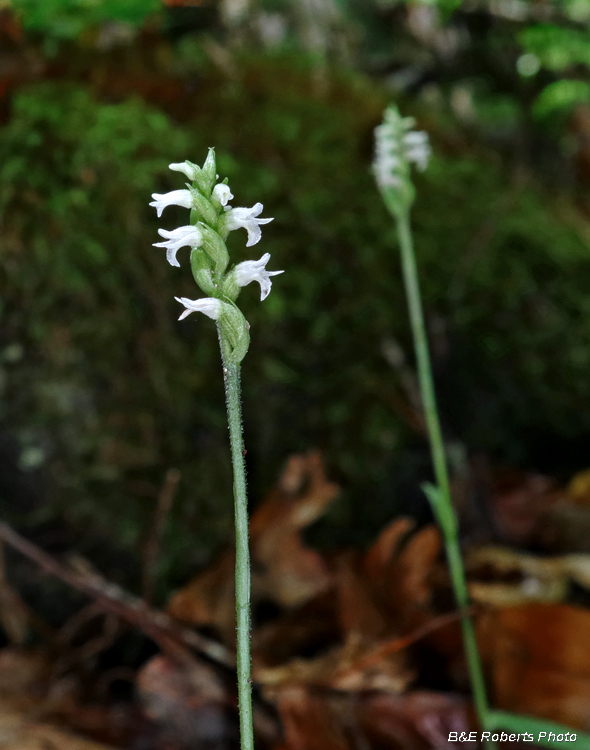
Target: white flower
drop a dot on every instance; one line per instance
(255, 270)
(396, 147)
(235, 218)
(222, 193)
(175, 198)
(186, 168)
(208, 305)
(177, 238)
(417, 148)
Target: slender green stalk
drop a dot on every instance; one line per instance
(441, 497)
(231, 376)
(397, 147)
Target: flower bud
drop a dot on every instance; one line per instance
(208, 174)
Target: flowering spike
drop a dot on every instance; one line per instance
(396, 148)
(211, 220)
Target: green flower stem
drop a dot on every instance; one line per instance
(440, 497)
(231, 376)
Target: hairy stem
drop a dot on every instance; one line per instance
(231, 376)
(445, 511)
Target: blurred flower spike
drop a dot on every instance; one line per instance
(211, 220)
(397, 147)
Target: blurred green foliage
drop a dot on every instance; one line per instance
(67, 19)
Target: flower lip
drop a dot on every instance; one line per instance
(174, 198)
(189, 235)
(222, 193)
(255, 270)
(237, 218)
(207, 305)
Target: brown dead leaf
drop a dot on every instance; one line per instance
(414, 568)
(381, 553)
(578, 490)
(309, 721)
(348, 667)
(519, 501)
(418, 720)
(402, 585)
(517, 578)
(191, 704)
(304, 632)
(194, 705)
(539, 660)
(284, 569)
(27, 694)
(358, 615)
(18, 732)
(209, 599)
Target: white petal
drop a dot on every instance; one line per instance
(175, 198)
(177, 238)
(207, 305)
(416, 138)
(255, 270)
(245, 218)
(222, 193)
(187, 169)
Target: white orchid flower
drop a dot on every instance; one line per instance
(188, 169)
(417, 148)
(255, 270)
(237, 218)
(177, 238)
(396, 147)
(182, 198)
(207, 305)
(222, 193)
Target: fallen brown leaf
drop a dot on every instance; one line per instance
(539, 660)
(418, 720)
(309, 721)
(285, 570)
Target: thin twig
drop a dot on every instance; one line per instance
(168, 634)
(392, 646)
